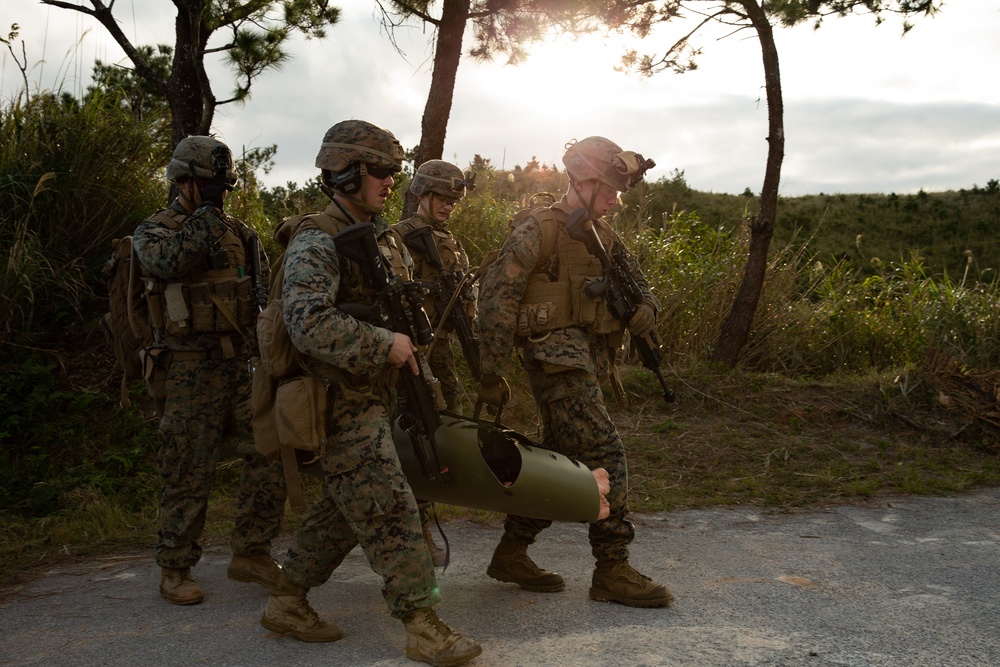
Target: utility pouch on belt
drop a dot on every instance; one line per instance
(244, 301)
(155, 300)
(546, 307)
(289, 422)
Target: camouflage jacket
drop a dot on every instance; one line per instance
(501, 289)
(315, 280)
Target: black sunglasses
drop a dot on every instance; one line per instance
(381, 172)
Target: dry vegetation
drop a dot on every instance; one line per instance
(730, 439)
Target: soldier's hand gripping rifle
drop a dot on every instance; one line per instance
(449, 306)
(620, 290)
(398, 307)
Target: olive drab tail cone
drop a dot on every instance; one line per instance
(497, 469)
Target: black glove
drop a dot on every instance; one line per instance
(213, 191)
(493, 390)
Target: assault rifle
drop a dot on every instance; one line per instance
(398, 307)
(259, 291)
(443, 292)
(620, 290)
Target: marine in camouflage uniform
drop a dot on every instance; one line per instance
(192, 253)
(439, 186)
(366, 498)
(567, 342)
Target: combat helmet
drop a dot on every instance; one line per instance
(196, 156)
(597, 158)
(356, 141)
(442, 178)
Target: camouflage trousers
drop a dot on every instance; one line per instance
(207, 406)
(575, 423)
(367, 501)
(442, 365)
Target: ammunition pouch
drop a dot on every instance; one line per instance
(222, 307)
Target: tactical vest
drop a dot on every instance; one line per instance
(352, 288)
(451, 258)
(214, 298)
(555, 295)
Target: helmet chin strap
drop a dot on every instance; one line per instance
(425, 206)
(360, 203)
(593, 199)
(327, 186)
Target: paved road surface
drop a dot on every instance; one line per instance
(909, 582)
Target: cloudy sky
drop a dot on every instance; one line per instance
(866, 110)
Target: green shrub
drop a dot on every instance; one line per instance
(75, 175)
(55, 439)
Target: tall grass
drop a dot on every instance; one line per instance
(813, 318)
(74, 175)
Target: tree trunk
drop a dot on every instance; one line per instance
(192, 104)
(447, 54)
(736, 328)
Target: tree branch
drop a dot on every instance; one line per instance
(104, 16)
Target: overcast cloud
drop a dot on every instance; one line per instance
(865, 110)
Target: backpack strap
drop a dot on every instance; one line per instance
(174, 220)
(550, 232)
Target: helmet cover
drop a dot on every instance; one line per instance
(352, 141)
(195, 156)
(442, 178)
(597, 158)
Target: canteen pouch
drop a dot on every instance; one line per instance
(300, 414)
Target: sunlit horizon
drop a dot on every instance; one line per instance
(866, 110)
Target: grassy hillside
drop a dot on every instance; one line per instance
(955, 233)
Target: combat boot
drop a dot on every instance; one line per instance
(430, 640)
(177, 586)
(511, 564)
(259, 569)
(618, 581)
(438, 555)
(288, 611)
